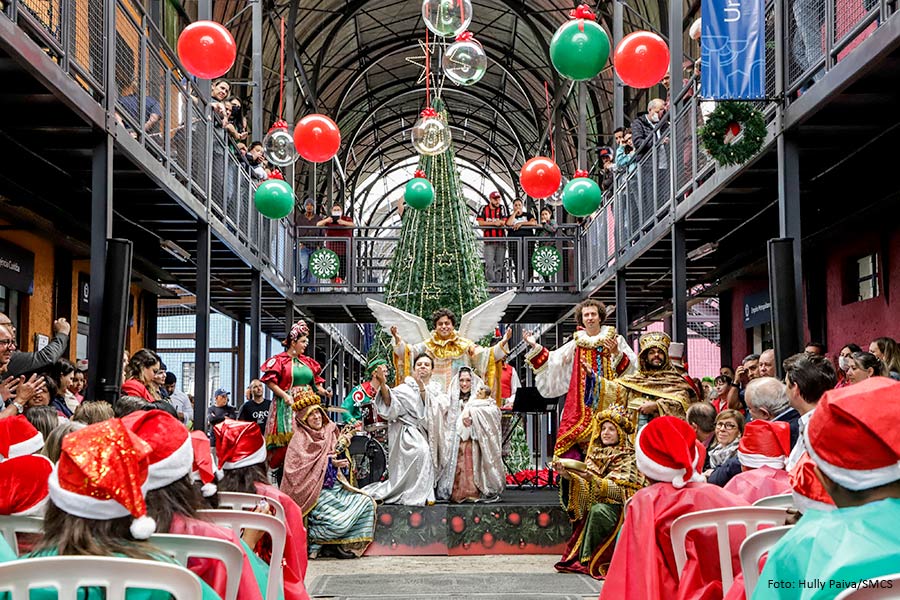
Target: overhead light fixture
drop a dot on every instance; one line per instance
(704, 250)
(175, 250)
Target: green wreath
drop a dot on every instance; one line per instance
(753, 132)
(324, 264)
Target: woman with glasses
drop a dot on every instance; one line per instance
(729, 428)
(141, 369)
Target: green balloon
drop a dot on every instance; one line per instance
(274, 198)
(576, 54)
(581, 197)
(419, 193)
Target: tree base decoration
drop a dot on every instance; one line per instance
(721, 123)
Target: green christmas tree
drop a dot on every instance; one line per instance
(436, 263)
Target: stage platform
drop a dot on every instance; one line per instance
(524, 521)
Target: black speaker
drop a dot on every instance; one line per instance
(116, 284)
(786, 325)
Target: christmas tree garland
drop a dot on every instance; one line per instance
(723, 119)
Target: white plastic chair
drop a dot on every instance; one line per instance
(239, 519)
(879, 588)
(69, 573)
(780, 501)
(721, 518)
(10, 525)
(752, 551)
(241, 501)
(183, 547)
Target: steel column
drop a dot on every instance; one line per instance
(255, 320)
(621, 303)
(201, 342)
(618, 86)
(679, 284)
(787, 308)
(101, 229)
(256, 66)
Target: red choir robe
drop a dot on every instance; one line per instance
(643, 565)
(760, 483)
(213, 571)
(295, 557)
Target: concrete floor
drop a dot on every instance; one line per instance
(449, 565)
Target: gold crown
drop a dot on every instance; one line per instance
(655, 339)
(305, 397)
(619, 416)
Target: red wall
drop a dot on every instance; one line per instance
(861, 322)
(739, 346)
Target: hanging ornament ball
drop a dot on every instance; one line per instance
(696, 30)
(274, 198)
(581, 196)
(419, 192)
(579, 48)
(279, 145)
(540, 177)
(556, 198)
(641, 60)
(317, 138)
(464, 60)
(206, 49)
(430, 134)
(447, 17)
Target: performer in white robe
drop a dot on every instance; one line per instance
(466, 442)
(410, 466)
(562, 371)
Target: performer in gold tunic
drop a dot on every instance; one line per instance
(657, 389)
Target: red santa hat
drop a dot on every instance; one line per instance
(239, 444)
(18, 437)
(24, 490)
(853, 436)
(765, 444)
(806, 488)
(101, 474)
(667, 450)
(172, 454)
(204, 468)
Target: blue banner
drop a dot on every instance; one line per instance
(733, 50)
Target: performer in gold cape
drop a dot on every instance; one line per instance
(657, 389)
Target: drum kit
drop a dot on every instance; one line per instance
(368, 448)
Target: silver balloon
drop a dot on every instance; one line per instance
(447, 17)
(279, 148)
(556, 198)
(431, 136)
(464, 62)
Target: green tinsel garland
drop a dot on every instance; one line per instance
(753, 132)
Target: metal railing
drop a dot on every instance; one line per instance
(161, 107)
(650, 186)
(365, 260)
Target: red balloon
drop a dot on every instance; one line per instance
(317, 138)
(540, 177)
(206, 49)
(641, 59)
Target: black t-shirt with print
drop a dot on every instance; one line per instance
(256, 413)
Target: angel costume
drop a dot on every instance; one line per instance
(469, 465)
(410, 467)
(450, 353)
(554, 371)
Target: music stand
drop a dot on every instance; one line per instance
(529, 401)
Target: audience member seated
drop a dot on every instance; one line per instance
(141, 368)
(726, 394)
(864, 365)
(173, 501)
(764, 447)
(241, 451)
(23, 485)
(93, 411)
(96, 505)
(767, 400)
(340, 519)
(18, 393)
(807, 377)
(643, 565)
(701, 416)
(859, 540)
(63, 372)
(595, 497)
(129, 404)
(844, 363)
(20, 363)
(53, 443)
(722, 463)
(18, 437)
(887, 351)
(807, 490)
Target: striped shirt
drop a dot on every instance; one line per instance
(489, 213)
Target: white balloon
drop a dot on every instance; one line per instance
(447, 17)
(431, 136)
(464, 62)
(279, 147)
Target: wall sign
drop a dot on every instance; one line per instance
(757, 309)
(16, 267)
(84, 293)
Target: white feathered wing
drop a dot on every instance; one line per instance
(412, 329)
(483, 319)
